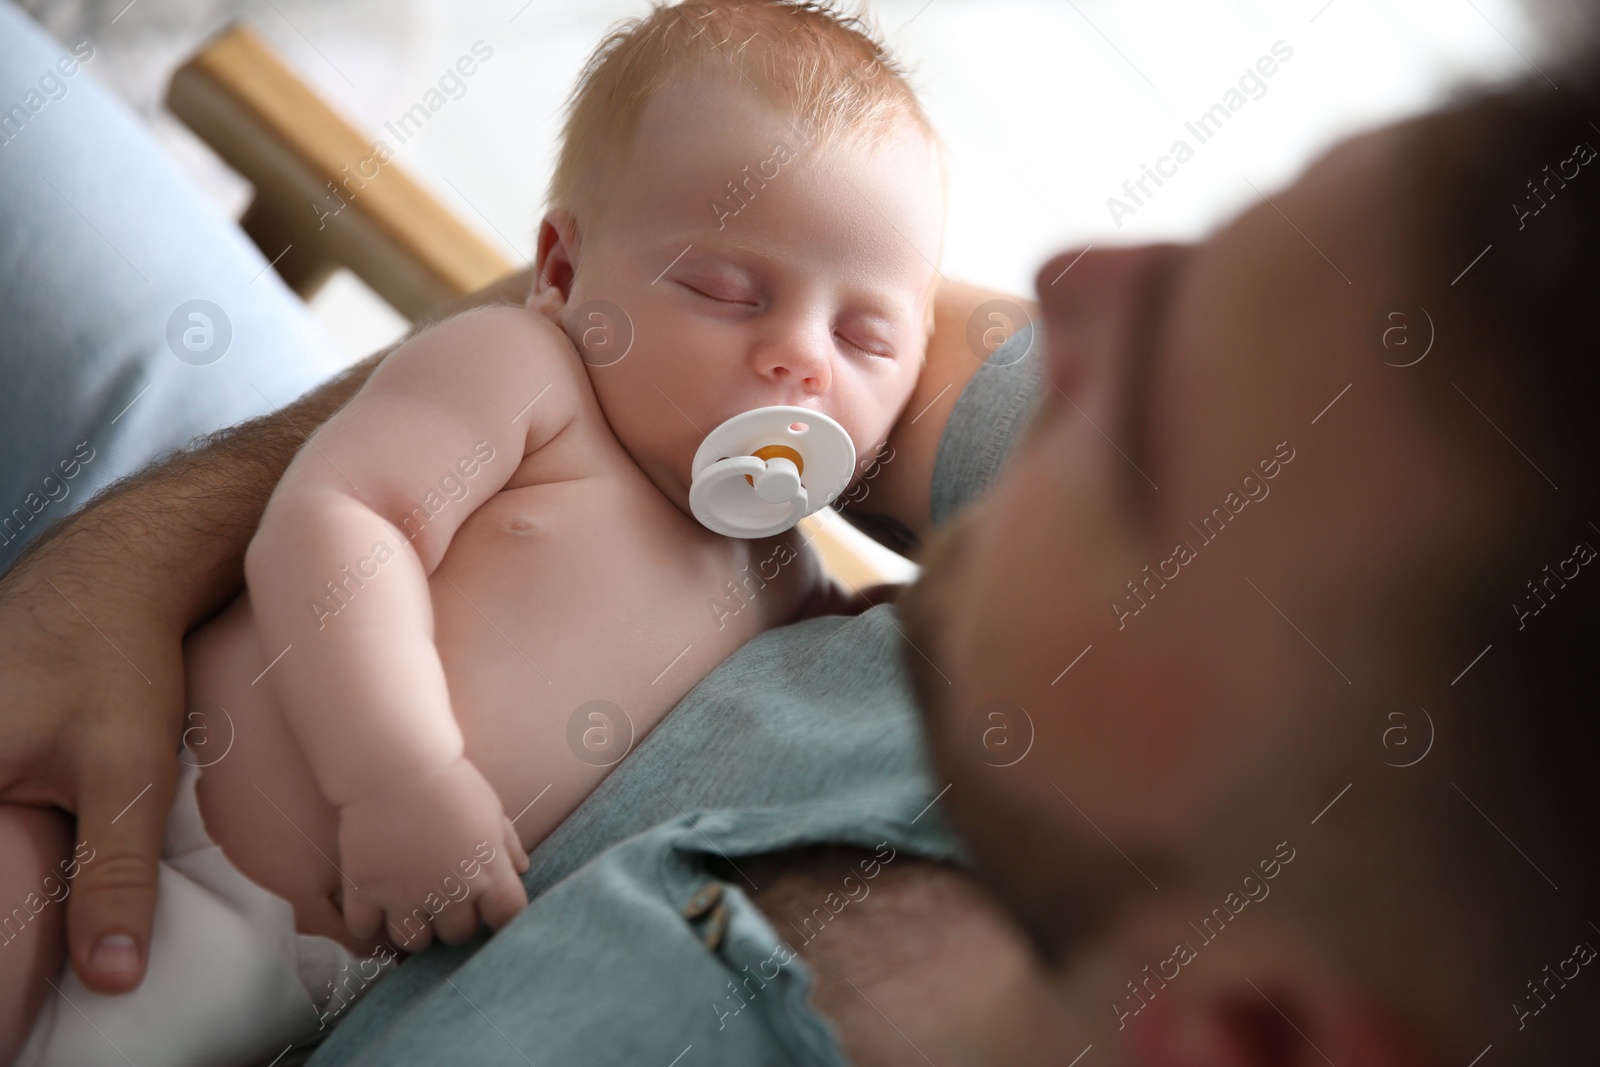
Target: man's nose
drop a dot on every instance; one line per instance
(798, 357)
(1093, 301)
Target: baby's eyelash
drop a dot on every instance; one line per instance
(863, 348)
(708, 296)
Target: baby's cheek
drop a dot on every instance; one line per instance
(877, 416)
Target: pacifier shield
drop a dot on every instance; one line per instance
(764, 470)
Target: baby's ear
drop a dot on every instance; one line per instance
(555, 263)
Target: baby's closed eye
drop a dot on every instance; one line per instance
(867, 343)
(721, 293)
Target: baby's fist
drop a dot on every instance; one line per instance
(434, 855)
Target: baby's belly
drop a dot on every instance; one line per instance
(570, 617)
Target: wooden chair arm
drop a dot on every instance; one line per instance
(326, 195)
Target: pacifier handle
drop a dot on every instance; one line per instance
(776, 481)
(780, 479)
(780, 482)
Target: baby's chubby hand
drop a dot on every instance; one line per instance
(414, 859)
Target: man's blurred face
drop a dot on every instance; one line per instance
(1196, 584)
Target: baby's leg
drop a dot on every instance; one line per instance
(33, 844)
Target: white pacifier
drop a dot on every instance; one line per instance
(764, 470)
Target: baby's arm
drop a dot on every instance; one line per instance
(338, 583)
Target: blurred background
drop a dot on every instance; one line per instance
(1047, 106)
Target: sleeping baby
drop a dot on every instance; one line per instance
(482, 581)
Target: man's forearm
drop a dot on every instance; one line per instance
(188, 519)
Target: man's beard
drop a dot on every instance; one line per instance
(1053, 882)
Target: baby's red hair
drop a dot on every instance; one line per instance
(826, 69)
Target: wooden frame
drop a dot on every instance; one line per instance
(308, 165)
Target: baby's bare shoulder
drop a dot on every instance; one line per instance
(478, 361)
(507, 331)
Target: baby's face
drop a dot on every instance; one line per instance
(814, 290)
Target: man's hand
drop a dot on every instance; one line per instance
(94, 689)
(431, 855)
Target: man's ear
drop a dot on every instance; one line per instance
(1286, 1022)
(555, 263)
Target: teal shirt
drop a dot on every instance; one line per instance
(807, 735)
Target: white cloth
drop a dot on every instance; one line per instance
(229, 981)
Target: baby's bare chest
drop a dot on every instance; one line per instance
(594, 591)
(592, 558)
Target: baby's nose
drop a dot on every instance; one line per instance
(798, 361)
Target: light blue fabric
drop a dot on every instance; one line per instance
(806, 735)
(102, 239)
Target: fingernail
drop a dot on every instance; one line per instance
(115, 954)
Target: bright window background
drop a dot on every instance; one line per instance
(1048, 106)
